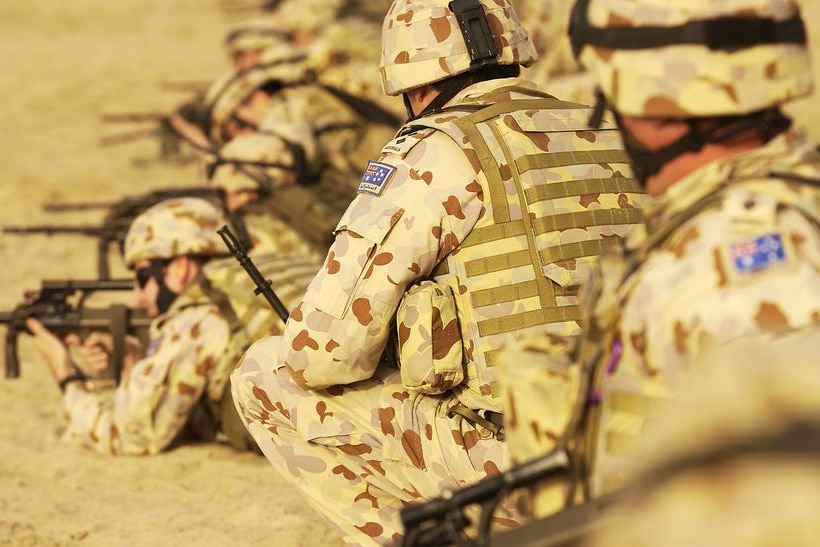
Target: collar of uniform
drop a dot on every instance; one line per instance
(193, 295)
(482, 91)
(782, 151)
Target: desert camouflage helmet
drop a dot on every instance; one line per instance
(255, 34)
(253, 162)
(176, 227)
(307, 15)
(693, 59)
(423, 41)
(282, 63)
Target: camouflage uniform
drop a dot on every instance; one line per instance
(335, 138)
(439, 240)
(263, 164)
(752, 479)
(556, 70)
(156, 397)
(731, 250)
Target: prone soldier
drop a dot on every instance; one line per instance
(474, 226)
(169, 388)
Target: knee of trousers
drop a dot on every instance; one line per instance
(253, 382)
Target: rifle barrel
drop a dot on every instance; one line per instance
(128, 137)
(85, 206)
(131, 117)
(88, 285)
(51, 229)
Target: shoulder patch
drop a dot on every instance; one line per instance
(405, 142)
(757, 254)
(375, 177)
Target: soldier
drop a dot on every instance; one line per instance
(752, 478)
(547, 21)
(184, 367)
(732, 248)
(474, 226)
(333, 130)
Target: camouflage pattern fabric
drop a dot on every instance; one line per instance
(328, 411)
(731, 251)
(752, 479)
(556, 70)
(336, 139)
(155, 398)
(746, 262)
(422, 43)
(685, 80)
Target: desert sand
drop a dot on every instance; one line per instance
(64, 63)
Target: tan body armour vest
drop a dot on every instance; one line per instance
(618, 409)
(556, 195)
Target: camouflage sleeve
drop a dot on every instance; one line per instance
(750, 267)
(386, 239)
(153, 402)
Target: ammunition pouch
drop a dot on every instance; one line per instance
(429, 341)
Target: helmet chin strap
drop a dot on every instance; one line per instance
(646, 163)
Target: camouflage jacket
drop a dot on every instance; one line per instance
(732, 251)
(425, 197)
(155, 398)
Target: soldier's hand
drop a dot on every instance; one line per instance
(53, 350)
(94, 353)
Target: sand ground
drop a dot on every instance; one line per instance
(64, 63)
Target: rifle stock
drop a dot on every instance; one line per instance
(60, 306)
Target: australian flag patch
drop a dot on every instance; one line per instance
(375, 177)
(758, 254)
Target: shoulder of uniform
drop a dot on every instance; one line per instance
(405, 140)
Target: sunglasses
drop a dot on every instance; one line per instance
(154, 269)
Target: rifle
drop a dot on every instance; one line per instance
(263, 286)
(442, 520)
(170, 138)
(60, 307)
(115, 224)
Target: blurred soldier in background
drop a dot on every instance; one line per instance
(732, 248)
(556, 70)
(331, 129)
(251, 172)
(736, 461)
(474, 226)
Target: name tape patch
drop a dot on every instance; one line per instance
(758, 254)
(375, 177)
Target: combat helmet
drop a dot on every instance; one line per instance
(175, 227)
(699, 58)
(279, 65)
(256, 162)
(254, 34)
(425, 41)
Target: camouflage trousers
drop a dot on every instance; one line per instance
(362, 452)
